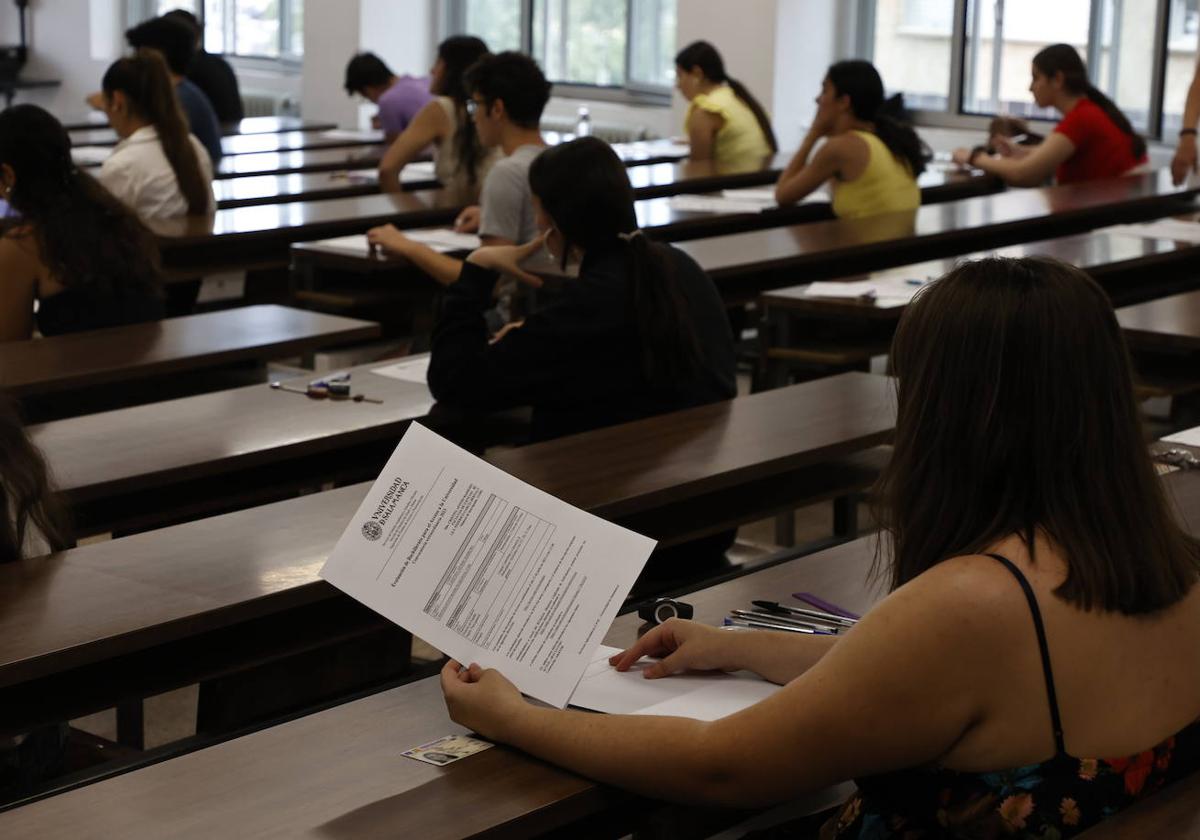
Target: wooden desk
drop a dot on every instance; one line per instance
(96, 121)
(258, 143)
(339, 773)
(749, 263)
(123, 354)
(1169, 323)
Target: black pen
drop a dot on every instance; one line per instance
(815, 615)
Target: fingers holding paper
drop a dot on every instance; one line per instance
(481, 699)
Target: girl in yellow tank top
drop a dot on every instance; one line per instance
(870, 159)
(725, 123)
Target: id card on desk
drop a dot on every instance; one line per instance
(485, 567)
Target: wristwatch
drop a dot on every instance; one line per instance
(1184, 132)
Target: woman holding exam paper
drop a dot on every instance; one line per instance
(870, 157)
(1036, 666)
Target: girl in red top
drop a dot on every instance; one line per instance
(1094, 139)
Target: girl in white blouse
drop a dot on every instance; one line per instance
(158, 169)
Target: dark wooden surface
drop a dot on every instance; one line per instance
(339, 773)
(1129, 267)
(306, 160)
(83, 124)
(1170, 323)
(246, 144)
(121, 354)
(746, 264)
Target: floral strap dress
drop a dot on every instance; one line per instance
(1051, 800)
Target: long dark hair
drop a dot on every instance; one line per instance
(860, 81)
(457, 54)
(83, 233)
(26, 498)
(144, 80)
(583, 186)
(1062, 58)
(704, 55)
(1016, 414)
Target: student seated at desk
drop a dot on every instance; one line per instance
(640, 331)
(870, 158)
(177, 43)
(158, 170)
(400, 98)
(724, 122)
(212, 73)
(75, 250)
(460, 162)
(508, 93)
(1093, 140)
(1036, 666)
(33, 523)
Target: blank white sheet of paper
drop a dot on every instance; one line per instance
(485, 567)
(1188, 437)
(408, 370)
(703, 696)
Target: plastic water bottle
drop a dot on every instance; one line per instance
(583, 128)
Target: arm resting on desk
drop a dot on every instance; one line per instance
(863, 709)
(1035, 168)
(429, 126)
(802, 175)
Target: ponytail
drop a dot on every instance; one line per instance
(457, 53)
(860, 81)
(1119, 119)
(1063, 58)
(671, 352)
(705, 56)
(145, 81)
(760, 113)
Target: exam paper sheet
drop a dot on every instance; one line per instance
(1177, 230)
(1188, 437)
(703, 696)
(485, 567)
(409, 370)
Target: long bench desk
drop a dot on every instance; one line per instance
(746, 264)
(62, 366)
(130, 607)
(339, 773)
(247, 144)
(97, 121)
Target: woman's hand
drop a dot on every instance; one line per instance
(506, 329)
(682, 646)
(480, 699)
(962, 157)
(468, 220)
(507, 259)
(390, 239)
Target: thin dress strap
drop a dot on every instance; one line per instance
(1051, 695)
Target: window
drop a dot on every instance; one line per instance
(961, 58)
(598, 43)
(271, 29)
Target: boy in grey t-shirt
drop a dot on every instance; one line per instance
(508, 93)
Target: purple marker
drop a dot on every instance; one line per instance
(822, 604)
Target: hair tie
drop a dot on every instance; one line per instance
(628, 237)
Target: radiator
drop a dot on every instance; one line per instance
(265, 103)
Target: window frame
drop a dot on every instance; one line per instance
(140, 10)
(453, 21)
(956, 116)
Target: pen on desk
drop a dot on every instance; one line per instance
(754, 615)
(824, 605)
(766, 625)
(814, 615)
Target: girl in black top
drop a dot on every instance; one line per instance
(73, 247)
(640, 331)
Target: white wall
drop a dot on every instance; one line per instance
(61, 47)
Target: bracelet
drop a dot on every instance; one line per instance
(1184, 132)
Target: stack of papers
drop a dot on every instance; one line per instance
(703, 696)
(90, 155)
(885, 292)
(1175, 229)
(409, 370)
(1188, 437)
(347, 134)
(355, 246)
(421, 170)
(445, 240)
(723, 203)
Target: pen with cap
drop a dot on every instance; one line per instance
(779, 618)
(823, 605)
